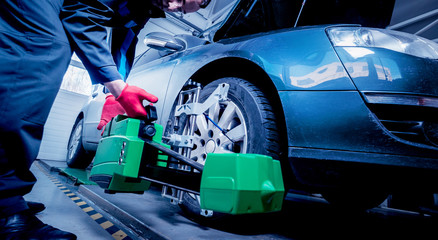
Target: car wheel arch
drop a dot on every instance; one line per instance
(232, 67)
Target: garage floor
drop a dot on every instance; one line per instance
(61, 209)
(92, 214)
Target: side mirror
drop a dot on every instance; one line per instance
(163, 42)
(96, 89)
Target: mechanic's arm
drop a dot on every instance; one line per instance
(84, 23)
(115, 87)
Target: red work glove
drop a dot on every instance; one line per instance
(111, 108)
(131, 100)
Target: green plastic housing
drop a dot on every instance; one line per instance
(241, 184)
(119, 156)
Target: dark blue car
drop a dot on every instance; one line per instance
(348, 107)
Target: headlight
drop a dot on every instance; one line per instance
(382, 38)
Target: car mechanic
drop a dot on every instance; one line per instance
(37, 39)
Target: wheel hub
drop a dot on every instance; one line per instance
(210, 146)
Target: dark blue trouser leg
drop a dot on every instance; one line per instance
(34, 55)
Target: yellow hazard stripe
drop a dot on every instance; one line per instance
(119, 235)
(112, 229)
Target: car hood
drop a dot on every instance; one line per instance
(254, 16)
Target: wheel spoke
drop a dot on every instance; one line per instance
(202, 125)
(78, 131)
(213, 113)
(227, 116)
(237, 133)
(197, 152)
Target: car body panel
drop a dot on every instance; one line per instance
(157, 81)
(340, 120)
(91, 115)
(296, 59)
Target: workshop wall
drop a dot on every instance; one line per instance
(74, 92)
(59, 124)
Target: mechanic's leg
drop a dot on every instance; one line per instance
(34, 55)
(28, 88)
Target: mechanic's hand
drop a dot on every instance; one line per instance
(111, 108)
(131, 100)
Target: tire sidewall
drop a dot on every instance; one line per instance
(80, 159)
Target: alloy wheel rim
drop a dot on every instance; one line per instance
(74, 143)
(208, 138)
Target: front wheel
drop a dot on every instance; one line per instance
(244, 123)
(77, 156)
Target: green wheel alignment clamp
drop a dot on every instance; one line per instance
(119, 155)
(241, 183)
(230, 183)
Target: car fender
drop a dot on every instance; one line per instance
(91, 112)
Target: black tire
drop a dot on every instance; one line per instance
(77, 157)
(262, 135)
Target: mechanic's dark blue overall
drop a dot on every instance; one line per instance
(34, 55)
(126, 21)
